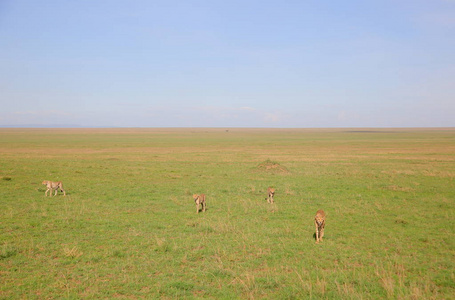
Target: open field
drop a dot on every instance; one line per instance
(128, 226)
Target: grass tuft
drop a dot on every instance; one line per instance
(7, 251)
(73, 252)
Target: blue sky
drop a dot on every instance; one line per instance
(280, 63)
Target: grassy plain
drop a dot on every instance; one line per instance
(128, 227)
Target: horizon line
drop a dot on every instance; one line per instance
(27, 126)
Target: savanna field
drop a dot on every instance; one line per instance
(128, 226)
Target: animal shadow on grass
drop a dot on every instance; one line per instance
(42, 190)
(314, 236)
(201, 209)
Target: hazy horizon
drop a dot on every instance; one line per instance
(69, 126)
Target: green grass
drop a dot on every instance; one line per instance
(128, 226)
